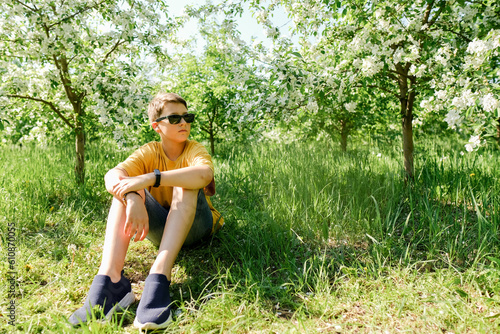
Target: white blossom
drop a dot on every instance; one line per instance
(351, 106)
(474, 142)
(469, 97)
(478, 47)
(271, 32)
(458, 102)
(312, 106)
(441, 94)
(489, 103)
(262, 16)
(371, 66)
(398, 55)
(453, 118)
(357, 44)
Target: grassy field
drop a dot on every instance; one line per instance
(315, 240)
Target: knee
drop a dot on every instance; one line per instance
(184, 199)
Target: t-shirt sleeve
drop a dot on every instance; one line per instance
(135, 164)
(198, 156)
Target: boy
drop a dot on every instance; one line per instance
(158, 193)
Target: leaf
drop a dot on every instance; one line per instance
(493, 316)
(297, 54)
(462, 293)
(372, 238)
(494, 259)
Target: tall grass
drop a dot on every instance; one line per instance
(315, 238)
(319, 194)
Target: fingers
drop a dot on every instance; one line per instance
(145, 230)
(116, 189)
(126, 184)
(140, 230)
(120, 190)
(127, 229)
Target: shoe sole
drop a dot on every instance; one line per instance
(152, 325)
(123, 304)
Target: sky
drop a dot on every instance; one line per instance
(247, 25)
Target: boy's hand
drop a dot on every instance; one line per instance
(137, 220)
(135, 183)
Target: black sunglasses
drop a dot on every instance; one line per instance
(176, 119)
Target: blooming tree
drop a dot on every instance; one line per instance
(217, 82)
(77, 64)
(471, 89)
(410, 50)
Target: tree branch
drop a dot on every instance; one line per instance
(50, 104)
(427, 13)
(456, 33)
(25, 5)
(392, 76)
(118, 43)
(436, 16)
(84, 9)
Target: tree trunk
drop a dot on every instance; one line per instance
(80, 153)
(211, 127)
(76, 100)
(407, 98)
(408, 144)
(498, 131)
(344, 132)
(212, 142)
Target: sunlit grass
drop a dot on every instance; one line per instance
(316, 240)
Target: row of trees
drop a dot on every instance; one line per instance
(426, 56)
(91, 66)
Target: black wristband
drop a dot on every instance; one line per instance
(158, 178)
(130, 192)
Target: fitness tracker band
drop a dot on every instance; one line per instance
(158, 178)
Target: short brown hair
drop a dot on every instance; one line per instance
(156, 106)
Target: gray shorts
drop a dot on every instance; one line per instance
(202, 224)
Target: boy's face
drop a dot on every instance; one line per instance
(179, 132)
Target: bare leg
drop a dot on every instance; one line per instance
(109, 289)
(179, 221)
(115, 242)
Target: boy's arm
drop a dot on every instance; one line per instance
(195, 177)
(137, 219)
(112, 178)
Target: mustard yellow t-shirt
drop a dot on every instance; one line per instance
(151, 156)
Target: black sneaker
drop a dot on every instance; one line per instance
(107, 295)
(154, 310)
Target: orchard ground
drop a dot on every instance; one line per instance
(316, 240)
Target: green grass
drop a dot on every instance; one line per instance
(315, 240)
